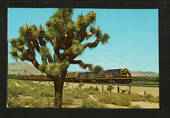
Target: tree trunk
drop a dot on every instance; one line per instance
(58, 87)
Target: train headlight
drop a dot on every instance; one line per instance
(127, 75)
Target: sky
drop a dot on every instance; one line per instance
(133, 42)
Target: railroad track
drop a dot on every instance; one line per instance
(98, 82)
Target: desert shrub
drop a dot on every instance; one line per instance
(110, 87)
(80, 85)
(78, 94)
(25, 88)
(66, 85)
(35, 103)
(46, 93)
(91, 88)
(136, 97)
(38, 102)
(49, 102)
(150, 98)
(89, 103)
(105, 98)
(67, 100)
(26, 102)
(147, 97)
(91, 91)
(14, 91)
(13, 102)
(67, 97)
(122, 99)
(118, 99)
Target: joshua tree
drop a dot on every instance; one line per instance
(66, 37)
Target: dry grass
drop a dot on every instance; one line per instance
(41, 94)
(89, 103)
(117, 99)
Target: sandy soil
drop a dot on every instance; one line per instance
(146, 105)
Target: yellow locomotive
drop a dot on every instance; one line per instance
(113, 75)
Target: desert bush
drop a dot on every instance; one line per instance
(80, 85)
(91, 91)
(78, 94)
(50, 102)
(105, 98)
(118, 99)
(136, 97)
(150, 98)
(147, 97)
(110, 87)
(36, 103)
(25, 88)
(66, 85)
(13, 102)
(14, 91)
(89, 103)
(68, 98)
(46, 93)
(122, 99)
(26, 102)
(91, 87)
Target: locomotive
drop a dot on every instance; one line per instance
(114, 75)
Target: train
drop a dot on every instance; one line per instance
(122, 76)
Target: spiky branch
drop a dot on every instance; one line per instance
(82, 64)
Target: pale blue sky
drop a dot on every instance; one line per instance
(133, 42)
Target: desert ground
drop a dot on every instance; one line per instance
(38, 94)
(134, 90)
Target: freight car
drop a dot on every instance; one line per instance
(113, 75)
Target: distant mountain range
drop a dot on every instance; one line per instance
(147, 73)
(28, 69)
(22, 68)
